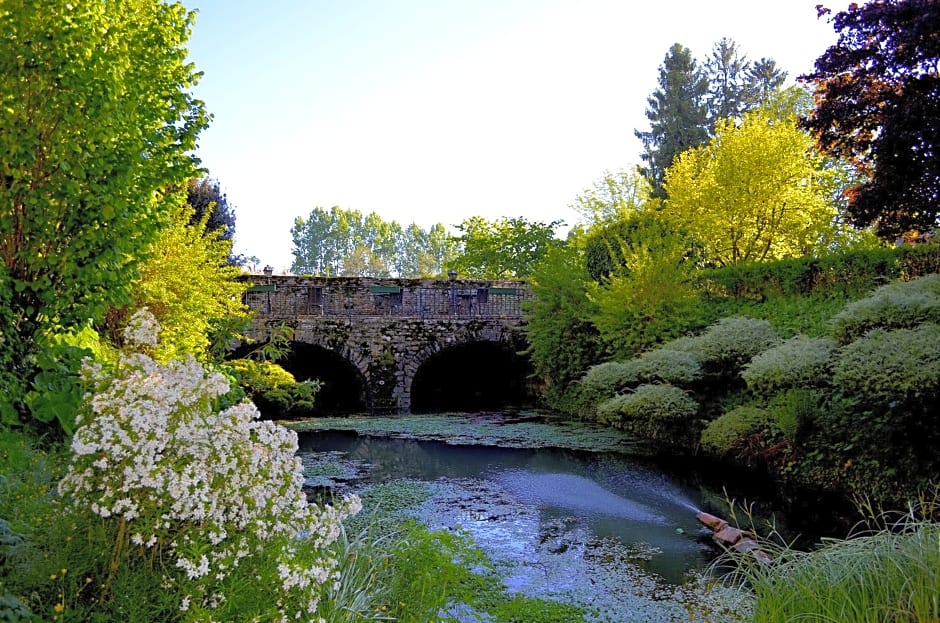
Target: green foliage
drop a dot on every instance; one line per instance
(895, 305)
(648, 299)
(507, 248)
(339, 242)
(853, 273)
(92, 139)
(562, 341)
(656, 366)
(721, 435)
(755, 192)
(887, 366)
(608, 378)
(273, 389)
(654, 412)
(677, 113)
(613, 198)
(57, 392)
(891, 573)
(799, 362)
(728, 344)
(190, 287)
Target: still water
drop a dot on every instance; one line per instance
(545, 506)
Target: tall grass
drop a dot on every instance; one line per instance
(888, 574)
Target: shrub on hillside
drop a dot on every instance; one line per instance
(606, 379)
(655, 412)
(723, 433)
(655, 366)
(799, 362)
(728, 344)
(897, 305)
(887, 366)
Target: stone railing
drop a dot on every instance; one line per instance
(288, 296)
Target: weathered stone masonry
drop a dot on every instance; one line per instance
(388, 328)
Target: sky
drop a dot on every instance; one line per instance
(432, 111)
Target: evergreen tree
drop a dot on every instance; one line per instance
(678, 115)
(728, 84)
(764, 79)
(204, 195)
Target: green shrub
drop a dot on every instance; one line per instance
(791, 409)
(655, 366)
(722, 434)
(889, 366)
(273, 389)
(664, 365)
(655, 412)
(799, 362)
(606, 379)
(728, 344)
(900, 305)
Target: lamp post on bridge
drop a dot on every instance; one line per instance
(452, 275)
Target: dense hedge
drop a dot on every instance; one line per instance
(854, 273)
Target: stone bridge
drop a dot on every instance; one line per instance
(390, 332)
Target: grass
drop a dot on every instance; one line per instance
(889, 574)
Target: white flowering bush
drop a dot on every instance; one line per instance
(211, 494)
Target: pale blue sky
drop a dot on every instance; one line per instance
(433, 111)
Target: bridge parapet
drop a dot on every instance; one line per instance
(290, 297)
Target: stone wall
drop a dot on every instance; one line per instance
(289, 296)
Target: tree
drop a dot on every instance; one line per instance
(97, 126)
(563, 342)
(508, 248)
(641, 290)
(322, 241)
(764, 79)
(677, 113)
(728, 84)
(190, 288)
(755, 192)
(205, 196)
(613, 197)
(343, 242)
(878, 106)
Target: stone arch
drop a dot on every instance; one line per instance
(344, 387)
(476, 370)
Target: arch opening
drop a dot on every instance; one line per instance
(342, 385)
(476, 376)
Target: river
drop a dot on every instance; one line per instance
(598, 529)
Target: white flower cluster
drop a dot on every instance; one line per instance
(142, 329)
(213, 487)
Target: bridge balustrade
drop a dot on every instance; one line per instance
(441, 300)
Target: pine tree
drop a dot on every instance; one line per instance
(678, 115)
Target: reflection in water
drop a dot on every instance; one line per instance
(607, 495)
